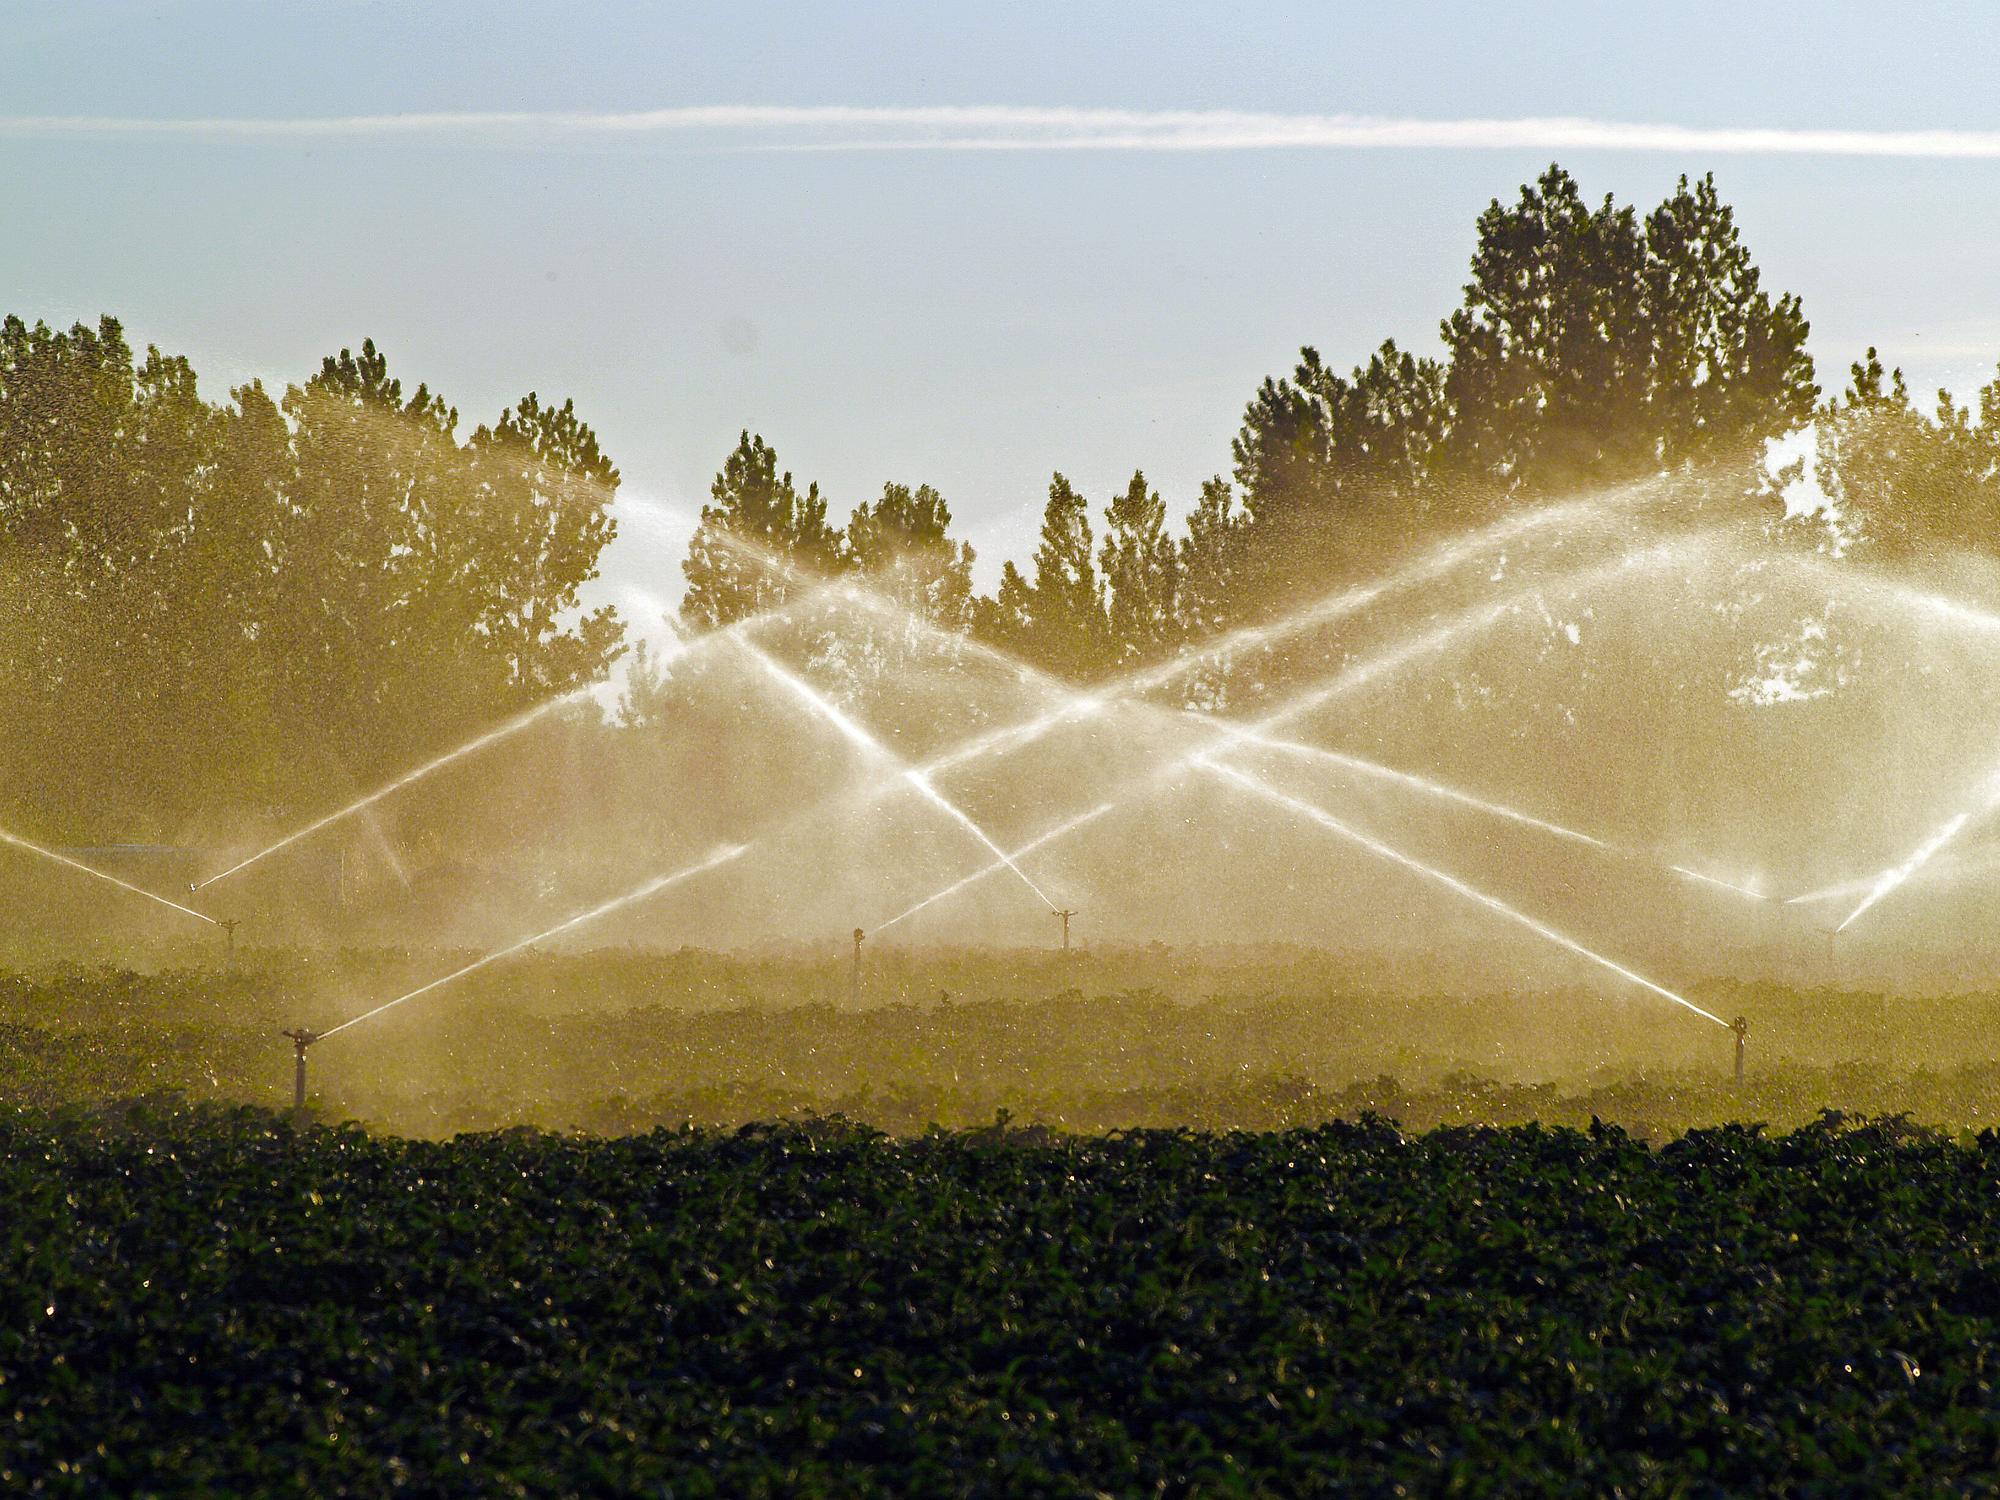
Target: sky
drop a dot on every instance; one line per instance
(969, 300)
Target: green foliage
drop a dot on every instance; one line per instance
(1141, 571)
(759, 542)
(217, 1302)
(240, 606)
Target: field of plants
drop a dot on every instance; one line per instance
(686, 1223)
(212, 1301)
(616, 1042)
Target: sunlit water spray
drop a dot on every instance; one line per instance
(1451, 882)
(1893, 877)
(97, 874)
(1359, 674)
(1716, 882)
(681, 647)
(1061, 830)
(638, 893)
(361, 804)
(1422, 784)
(818, 703)
(1326, 610)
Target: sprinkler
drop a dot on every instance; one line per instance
(228, 926)
(301, 1039)
(1063, 913)
(854, 981)
(1742, 1029)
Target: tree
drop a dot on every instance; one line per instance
(1326, 464)
(1904, 483)
(248, 603)
(757, 542)
(1058, 621)
(1210, 555)
(1729, 365)
(546, 491)
(902, 545)
(1141, 574)
(1552, 349)
(1591, 349)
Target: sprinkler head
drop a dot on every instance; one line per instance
(1740, 1026)
(301, 1038)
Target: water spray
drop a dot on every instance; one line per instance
(490, 737)
(1895, 875)
(124, 885)
(818, 703)
(683, 647)
(603, 909)
(1022, 851)
(1227, 733)
(1451, 882)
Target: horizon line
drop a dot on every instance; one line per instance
(1040, 128)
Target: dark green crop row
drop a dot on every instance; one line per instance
(211, 1302)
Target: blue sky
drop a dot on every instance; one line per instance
(970, 318)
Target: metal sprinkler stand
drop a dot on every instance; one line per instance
(228, 926)
(1742, 1029)
(1064, 913)
(854, 980)
(301, 1039)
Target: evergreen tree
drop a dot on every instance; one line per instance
(902, 544)
(1729, 365)
(1551, 353)
(1210, 555)
(1141, 574)
(758, 541)
(1327, 463)
(1058, 621)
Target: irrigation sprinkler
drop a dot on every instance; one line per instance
(228, 926)
(1742, 1029)
(301, 1039)
(1064, 913)
(854, 980)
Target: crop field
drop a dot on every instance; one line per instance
(611, 1043)
(212, 1301)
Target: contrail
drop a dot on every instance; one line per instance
(1451, 882)
(997, 127)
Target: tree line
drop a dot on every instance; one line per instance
(1592, 346)
(261, 603)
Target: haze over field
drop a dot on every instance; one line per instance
(1580, 604)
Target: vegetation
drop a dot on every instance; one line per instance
(614, 1043)
(256, 592)
(215, 1301)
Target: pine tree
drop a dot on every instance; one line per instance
(902, 544)
(1141, 574)
(757, 543)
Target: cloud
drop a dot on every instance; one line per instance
(1031, 128)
